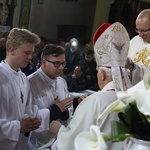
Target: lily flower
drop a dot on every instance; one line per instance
(139, 93)
(90, 140)
(135, 116)
(113, 107)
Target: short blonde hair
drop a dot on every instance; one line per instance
(19, 36)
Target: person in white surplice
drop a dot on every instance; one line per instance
(50, 91)
(139, 50)
(111, 44)
(18, 117)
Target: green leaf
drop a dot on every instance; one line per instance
(105, 137)
(132, 123)
(118, 128)
(122, 137)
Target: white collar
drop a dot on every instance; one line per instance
(108, 86)
(48, 80)
(7, 66)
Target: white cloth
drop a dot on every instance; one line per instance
(45, 90)
(108, 87)
(139, 51)
(13, 108)
(136, 74)
(86, 115)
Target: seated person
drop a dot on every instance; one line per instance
(76, 81)
(110, 80)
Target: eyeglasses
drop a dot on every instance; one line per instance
(142, 31)
(57, 63)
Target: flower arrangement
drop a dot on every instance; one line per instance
(133, 108)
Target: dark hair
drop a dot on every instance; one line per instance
(52, 49)
(43, 39)
(89, 52)
(82, 69)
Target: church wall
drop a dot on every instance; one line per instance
(45, 17)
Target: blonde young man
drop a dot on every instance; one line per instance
(139, 50)
(17, 114)
(111, 43)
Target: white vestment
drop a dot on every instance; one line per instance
(15, 103)
(45, 90)
(86, 115)
(139, 52)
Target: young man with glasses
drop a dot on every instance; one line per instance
(139, 51)
(50, 91)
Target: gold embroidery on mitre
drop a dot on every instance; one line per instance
(116, 79)
(106, 52)
(101, 52)
(119, 44)
(142, 56)
(118, 28)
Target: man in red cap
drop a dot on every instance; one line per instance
(111, 48)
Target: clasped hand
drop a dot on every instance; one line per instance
(64, 104)
(29, 124)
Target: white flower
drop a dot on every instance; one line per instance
(140, 94)
(90, 140)
(113, 107)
